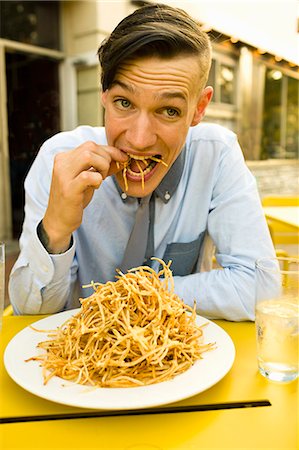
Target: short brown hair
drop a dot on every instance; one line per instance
(154, 30)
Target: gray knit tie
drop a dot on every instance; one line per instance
(135, 251)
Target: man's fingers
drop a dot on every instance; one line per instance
(90, 156)
(76, 174)
(115, 167)
(88, 178)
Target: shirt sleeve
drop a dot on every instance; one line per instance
(237, 226)
(40, 283)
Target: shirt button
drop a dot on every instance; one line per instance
(167, 195)
(124, 196)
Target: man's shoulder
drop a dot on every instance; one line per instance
(211, 132)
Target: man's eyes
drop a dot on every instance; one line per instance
(122, 103)
(171, 112)
(168, 112)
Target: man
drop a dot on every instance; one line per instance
(87, 187)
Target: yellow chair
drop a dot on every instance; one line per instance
(281, 233)
(8, 311)
(280, 200)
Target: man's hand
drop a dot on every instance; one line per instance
(76, 175)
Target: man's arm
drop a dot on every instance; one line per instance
(45, 273)
(39, 282)
(238, 228)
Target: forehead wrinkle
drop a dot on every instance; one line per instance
(155, 72)
(127, 86)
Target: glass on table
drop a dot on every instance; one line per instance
(2, 280)
(277, 317)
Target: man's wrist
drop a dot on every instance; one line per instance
(45, 240)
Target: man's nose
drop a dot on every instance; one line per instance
(141, 132)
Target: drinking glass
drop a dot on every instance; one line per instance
(277, 318)
(2, 280)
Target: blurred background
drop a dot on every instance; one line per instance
(49, 81)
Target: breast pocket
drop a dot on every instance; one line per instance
(184, 256)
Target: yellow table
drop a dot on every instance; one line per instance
(269, 427)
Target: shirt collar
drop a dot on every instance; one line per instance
(168, 185)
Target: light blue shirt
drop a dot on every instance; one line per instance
(215, 204)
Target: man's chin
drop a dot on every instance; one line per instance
(135, 188)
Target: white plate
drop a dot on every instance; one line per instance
(202, 375)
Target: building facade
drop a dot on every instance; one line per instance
(50, 81)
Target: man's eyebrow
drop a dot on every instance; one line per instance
(166, 95)
(171, 95)
(127, 87)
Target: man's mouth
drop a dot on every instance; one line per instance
(139, 167)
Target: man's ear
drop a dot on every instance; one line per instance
(204, 100)
(104, 98)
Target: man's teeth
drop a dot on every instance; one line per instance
(139, 157)
(149, 167)
(140, 169)
(146, 158)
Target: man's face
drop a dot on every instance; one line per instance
(148, 111)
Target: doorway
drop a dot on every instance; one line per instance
(33, 111)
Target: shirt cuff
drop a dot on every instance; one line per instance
(63, 262)
(46, 267)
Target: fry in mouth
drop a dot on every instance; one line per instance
(142, 170)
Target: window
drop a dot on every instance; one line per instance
(226, 79)
(33, 112)
(223, 79)
(31, 22)
(212, 77)
(280, 117)
(292, 119)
